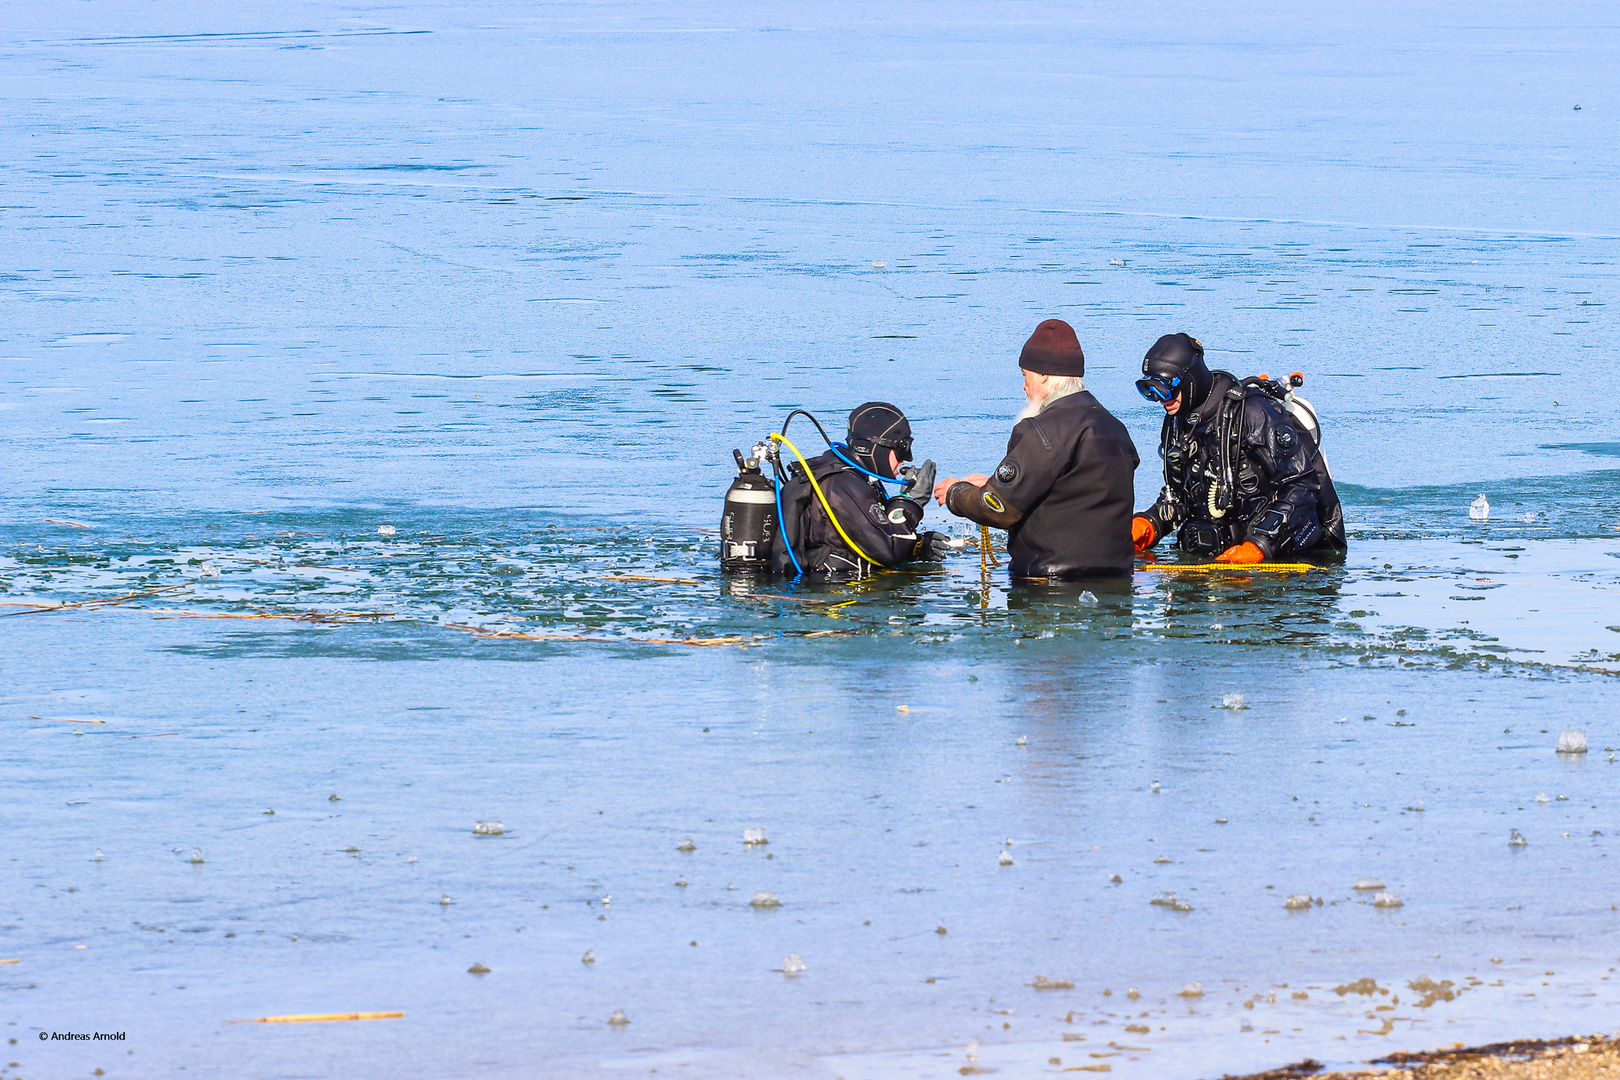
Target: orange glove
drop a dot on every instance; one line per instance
(1246, 552)
(1142, 533)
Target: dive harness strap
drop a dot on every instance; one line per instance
(825, 505)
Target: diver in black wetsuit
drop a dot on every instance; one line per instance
(1244, 478)
(883, 528)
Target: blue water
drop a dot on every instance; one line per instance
(513, 281)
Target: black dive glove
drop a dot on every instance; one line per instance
(919, 482)
(933, 546)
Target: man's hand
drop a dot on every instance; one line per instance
(1246, 552)
(943, 488)
(1143, 534)
(919, 482)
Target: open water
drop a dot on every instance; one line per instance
(514, 280)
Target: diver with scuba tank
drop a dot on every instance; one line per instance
(1245, 479)
(830, 516)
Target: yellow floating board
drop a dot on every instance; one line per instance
(1240, 568)
(318, 1017)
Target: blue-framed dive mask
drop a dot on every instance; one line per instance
(1158, 389)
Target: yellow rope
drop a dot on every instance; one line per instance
(824, 505)
(1237, 568)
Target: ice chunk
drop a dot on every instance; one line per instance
(489, 828)
(607, 900)
(1155, 787)
(386, 530)
(196, 856)
(1233, 700)
(1387, 899)
(1542, 797)
(765, 899)
(1480, 508)
(445, 901)
(589, 957)
(1191, 990)
(880, 264)
(1572, 742)
(1022, 740)
(940, 929)
(793, 965)
(973, 1053)
(618, 1019)
(1516, 838)
(1043, 983)
(1005, 859)
(1116, 262)
(98, 854)
(1298, 902)
(755, 836)
(411, 859)
(478, 969)
(1088, 597)
(680, 883)
(687, 845)
(1368, 883)
(1133, 993)
(208, 569)
(1172, 901)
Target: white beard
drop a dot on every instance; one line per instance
(1034, 408)
(1031, 408)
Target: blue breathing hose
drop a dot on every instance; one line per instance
(781, 524)
(864, 472)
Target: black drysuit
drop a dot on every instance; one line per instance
(883, 528)
(1273, 489)
(1063, 492)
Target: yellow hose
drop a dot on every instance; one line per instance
(824, 505)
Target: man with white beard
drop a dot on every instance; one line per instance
(1064, 491)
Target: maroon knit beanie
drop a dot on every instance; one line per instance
(1053, 350)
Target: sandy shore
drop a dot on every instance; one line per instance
(1577, 1057)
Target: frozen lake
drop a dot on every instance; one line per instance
(514, 281)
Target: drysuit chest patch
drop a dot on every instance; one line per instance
(1007, 472)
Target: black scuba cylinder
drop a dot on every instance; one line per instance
(749, 523)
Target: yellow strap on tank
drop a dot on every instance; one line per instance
(824, 505)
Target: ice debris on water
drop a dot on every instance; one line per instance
(1541, 797)
(1233, 700)
(1005, 858)
(1132, 992)
(765, 899)
(478, 969)
(1572, 742)
(386, 530)
(1116, 262)
(489, 828)
(1043, 983)
(196, 856)
(1022, 740)
(973, 1053)
(680, 882)
(1155, 787)
(334, 797)
(687, 845)
(1480, 508)
(1388, 899)
(618, 1019)
(880, 264)
(940, 929)
(793, 965)
(1191, 990)
(607, 900)
(445, 901)
(410, 859)
(1088, 597)
(1368, 884)
(754, 836)
(1172, 901)
(208, 569)
(1516, 838)
(589, 957)
(98, 854)
(1298, 902)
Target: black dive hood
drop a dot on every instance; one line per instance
(875, 427)
(1179, 359)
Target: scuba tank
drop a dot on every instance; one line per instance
(749, 523)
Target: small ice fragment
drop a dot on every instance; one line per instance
(618, 1019)
(1368, 884)
(589, 957)
(386, 530)
(208, 569)
(1387, 899)
(879, 264)
(489, 828)
(1116, 879)
(940, 929)
(1233, 700)
(687, 845)
(478, 969)
(1172, 901)
(680, 883)
(755, 836)
(1133, 993)
(1161, 860)
(98, 854)
(1022, 740)
(1005, 858)
(765, 899)
(1542, 797)
(1043, 983)
(1298, 902)
(1191, 990)
(793, 965)
(902, 708)
(973, 1053)
(196, 856)
(1516, 838)
(445, 901)
(1155, 788)
(1088, 597)
(1480, 508)
(269, 811)
(1572, 742)
(334, 797)
(1116, 262)
(1527, 517)
(608, 899)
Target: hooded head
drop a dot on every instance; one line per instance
(1175, 365)
(874, 429)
